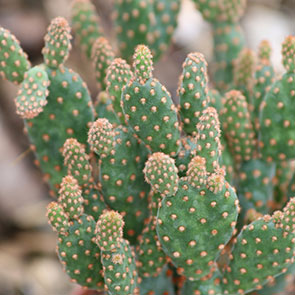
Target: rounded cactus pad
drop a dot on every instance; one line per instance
(101, 137)
(57, 218)
(14, 61)
(216, 181)
(196, 173)
(193, 91)
(143, 63)
(70, 197)
(238, 127)
(102, 55)
(161, 173)
(77, 161)
(262, 250)
(118, 74)
(288, 53)
(109, 231)
(31, 97)
(264, 50)
(208, 138)
(57, 43)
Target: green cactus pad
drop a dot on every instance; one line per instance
(57, 218)
(143, 63)
(281, 181)
(70, 197)
(255, 188)
(150, 257)
(77, 161)
(31, 97)
(86, 25)
(79, 254)
(277, 123)
(122, 181)
(118, 74)
(14, 61)
(165, 12)
(238, 127)
(244, 69)
(57, 43)
(101, 137)
(263, 78)
(161, 173)
(229, 40)
(263, 250)
(109, 231)
(191, 218)
(150, 112)
(288, 53)
(227, 11)
(119, 270)
(133, 21)
(68, 113)
(193, 91)
(102, 55)
(264, 50)
(208, 138)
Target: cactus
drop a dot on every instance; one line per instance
(86, 25)
(146, 100)
(119, 268)
(276, 124)
(193, 91)
(144, 191)
(14, 61)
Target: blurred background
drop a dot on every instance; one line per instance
(28, 262)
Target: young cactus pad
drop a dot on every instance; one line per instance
(31, 97)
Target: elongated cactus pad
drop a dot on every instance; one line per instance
(117, 258)
(123, 186)
(70, 197)
(80, 255)
(57, 43)
(31, 97)
(238, 126)
(193, 91)
(14, 61)
(86, 25)
(229, 40)
(118, 74)
(102, 55)
(77, 161)
(276, 120)
(208, 138)
(109, 231)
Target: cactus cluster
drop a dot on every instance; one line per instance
(153, 197)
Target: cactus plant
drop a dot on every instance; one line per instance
(146, 187)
